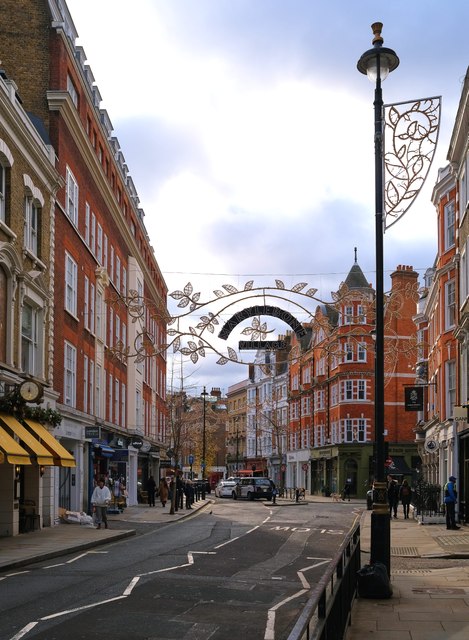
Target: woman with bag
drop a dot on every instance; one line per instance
(405, 495)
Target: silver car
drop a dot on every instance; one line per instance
(225, 488)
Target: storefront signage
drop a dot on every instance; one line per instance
(431, 446)
(92, 432)
(413, 398)
(136, 442)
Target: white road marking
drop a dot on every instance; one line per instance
(132, 584)
(17, 573)
(24, 631)
(83, 608)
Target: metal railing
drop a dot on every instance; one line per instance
(326, 615)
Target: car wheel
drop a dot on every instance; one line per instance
(235, 497)
(250, 496)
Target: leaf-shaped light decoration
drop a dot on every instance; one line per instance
(222, 360)
(230, 288)
(299, 287)
(279, 284)
(183, 302)
(188, 289)
(176, 345)
(311, 293)
(411, 135)
(248, 285)
(219, 293)
(194, 357)
(232, 354)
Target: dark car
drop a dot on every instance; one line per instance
(199, 484)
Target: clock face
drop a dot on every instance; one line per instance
(30, 391)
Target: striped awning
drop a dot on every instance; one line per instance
(60, 455)
(36, 450)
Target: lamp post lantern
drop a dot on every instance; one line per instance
(377, 63)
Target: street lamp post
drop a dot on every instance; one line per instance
(204, 395)
(377, 63)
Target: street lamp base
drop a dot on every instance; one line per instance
(381, 528)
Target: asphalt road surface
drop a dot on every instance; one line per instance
(238, 569)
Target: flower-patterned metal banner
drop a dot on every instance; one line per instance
(408, 155)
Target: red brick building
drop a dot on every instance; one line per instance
(101, 255)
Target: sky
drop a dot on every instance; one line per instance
(248, 133)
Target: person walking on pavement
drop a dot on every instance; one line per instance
(346, 491)
(189, 491)
(451, 497)
(393, 496)
(151, 490)
(101, 499)
(163, 491)
(405, 494)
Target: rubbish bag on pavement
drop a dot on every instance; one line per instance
(373, 581)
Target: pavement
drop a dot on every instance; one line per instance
(427, 604)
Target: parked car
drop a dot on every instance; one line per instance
(253, 489)
(224, 489)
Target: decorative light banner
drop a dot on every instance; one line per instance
(409, 153)
(267, 345)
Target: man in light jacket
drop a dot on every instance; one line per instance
(100, 500)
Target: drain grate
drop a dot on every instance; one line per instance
(410, 572)
(439, 590)
(454, 540)
(404, 551)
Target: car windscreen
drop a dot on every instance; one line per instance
(262, 481)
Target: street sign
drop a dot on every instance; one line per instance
(191, 459)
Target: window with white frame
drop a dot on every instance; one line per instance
(449, 222)
(111, 328)
(70, 374)
(31, 327)
(354, 429)
(116, 400)
(85, 383)
(111, 265)
(118, 273)
(92, 307)
(71, 206)
(124, 281)
(306, 374)
(306, 406)
(361, 315)
(348, 314)
(86, 306)
(334, 395)
(450, 388)
(123, 404)
(319, 399)
(348, 349)
(91, 388)
(97, 400)
(71, 281)
(32, 221)
(294, 410)
(110, 396)
(87, 224)
(450, 304)
(99, 245)
(353, 390)
(93, 234)
(294, 382)
(138, 409)
(361, 352)
(99, 315)
(72, 90)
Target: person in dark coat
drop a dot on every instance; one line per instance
(189, 491)
(450, 499)
(393, 496)
(151, 489)
(405, 494)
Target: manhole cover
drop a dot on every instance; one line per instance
(439, 590)
(453, 540)
(404, 551)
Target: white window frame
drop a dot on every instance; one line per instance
(450, 224)
(32, 221)
(72, 195)
(70, 374)
(71, 284)
(450, 379)
(32, 340)
(450, 304)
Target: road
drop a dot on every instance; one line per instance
(237, 569)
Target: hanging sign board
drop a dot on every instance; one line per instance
(413, 398)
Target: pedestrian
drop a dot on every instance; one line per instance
(189, 491)
(163, 491)
(451, 496)
(151, 490)
(346, 491)
(100, 499)
(274, 492)
(405, 495)
(393, 496)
